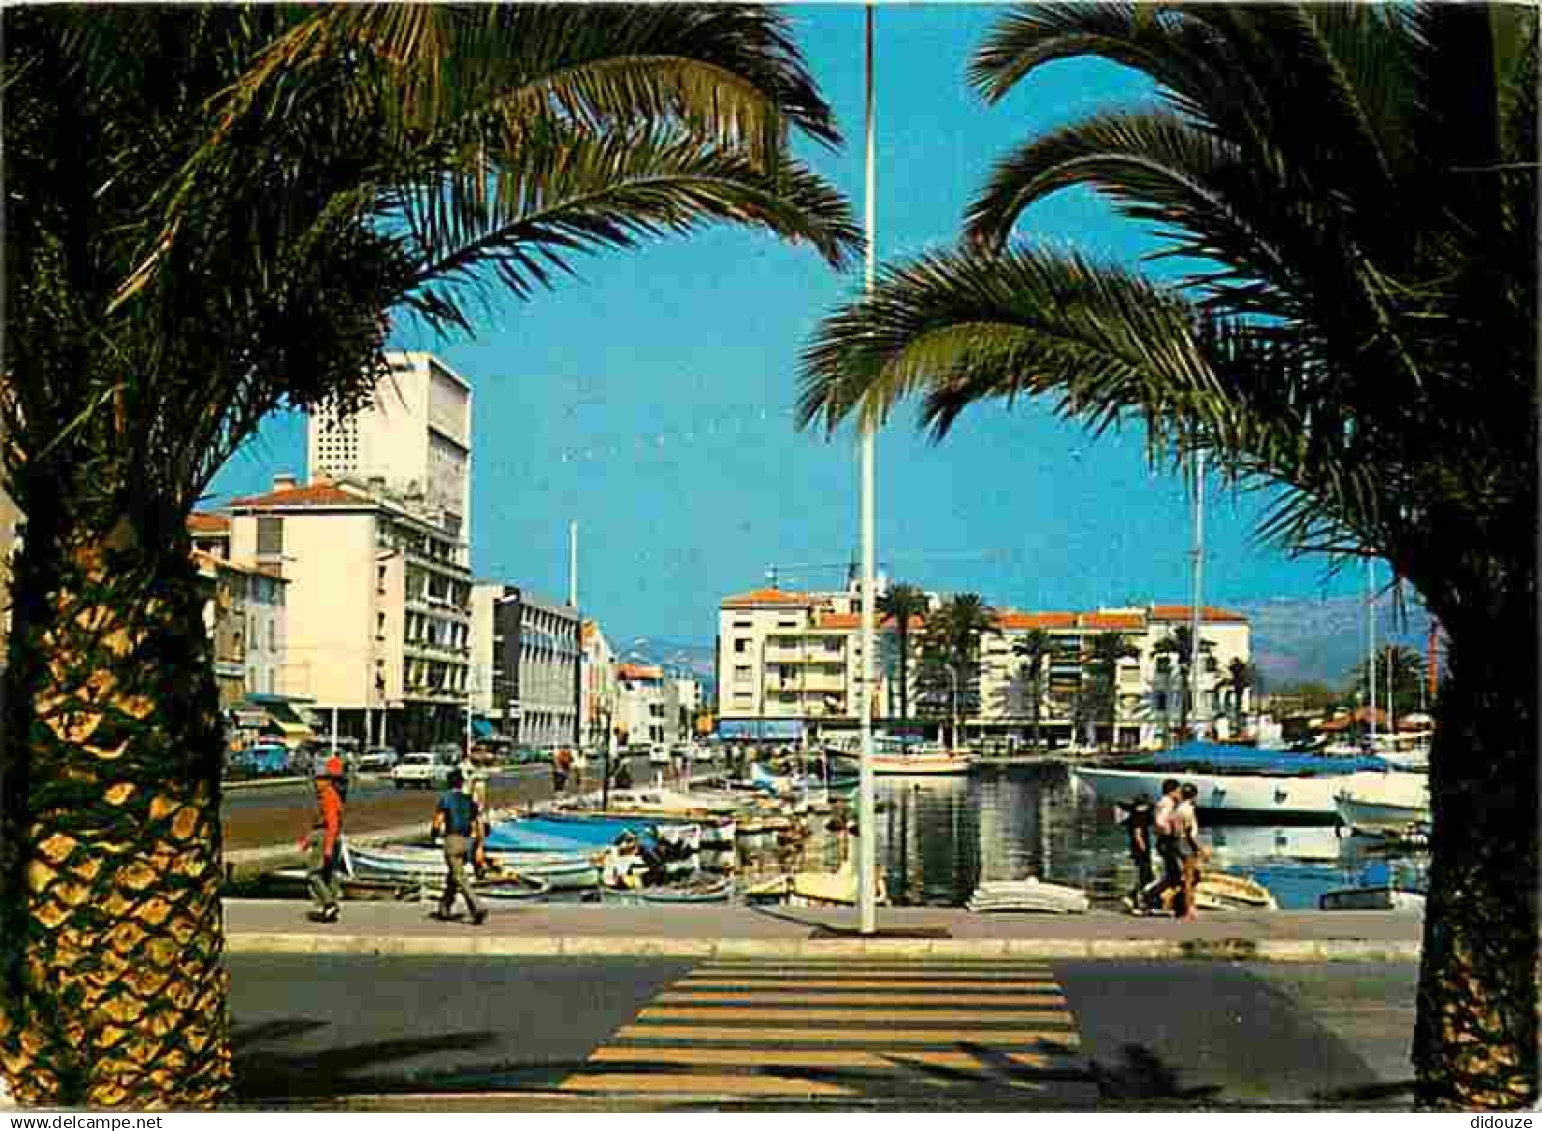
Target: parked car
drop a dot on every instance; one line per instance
(529, 755)
(424, 769)
(378, 758)
(262, 759)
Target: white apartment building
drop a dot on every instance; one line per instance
(378, 606)
(789, 666)
(415, 437)
(642, 706)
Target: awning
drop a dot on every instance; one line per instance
(760, 728)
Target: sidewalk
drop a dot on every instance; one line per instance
(734, 930)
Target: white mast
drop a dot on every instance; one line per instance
(1370, 628)
(867, 821)
(1199, 562)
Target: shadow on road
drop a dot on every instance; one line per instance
(1142, 1075)
(329, 1073)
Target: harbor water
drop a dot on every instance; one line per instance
(938, 837)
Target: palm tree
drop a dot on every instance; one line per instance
(1035, 647)
(902, 604)
(1100, 660)
(1240, 675)
(1356, 187)
(210, 213)
(1402, 668)
(950, 655)
(1177, 647)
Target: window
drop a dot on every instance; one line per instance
(272, 644)
(741, 646)
(270, 537)
(742, 673)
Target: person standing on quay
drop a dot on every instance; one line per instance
(1167, 845)
(326, 841)
(1186, 827)
(456, 819)
(1139, 817)
(561, 766)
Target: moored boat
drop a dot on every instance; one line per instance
(1388, 803)
(424, 864)
(1238, 782)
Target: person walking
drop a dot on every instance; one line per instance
(325, 841)
(1167, 846)
(1190, 851)
(457, 819)
(1139, 816)
(561, 766)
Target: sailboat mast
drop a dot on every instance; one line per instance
(1370, 623)
(1199, 562)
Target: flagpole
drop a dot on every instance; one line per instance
(867, 824)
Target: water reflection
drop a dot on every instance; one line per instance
(939, 837)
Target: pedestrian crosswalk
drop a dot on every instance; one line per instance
(847, 1030)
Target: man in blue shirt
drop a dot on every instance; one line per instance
(456, 818)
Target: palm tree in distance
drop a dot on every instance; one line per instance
(1177, 647)
(1356, 186)
(1401, 668)
(1100, 659)
(1240, 675)
(212, 212)
(1035, 647)
(950, 655)
(902, 604)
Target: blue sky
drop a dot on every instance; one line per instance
(650, 399)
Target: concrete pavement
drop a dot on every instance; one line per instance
(736, 930)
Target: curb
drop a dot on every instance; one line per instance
(484, 946)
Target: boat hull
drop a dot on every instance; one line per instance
(1233, 797)
(1380, 818)
(922, 764)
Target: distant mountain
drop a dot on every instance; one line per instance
(1321, 641)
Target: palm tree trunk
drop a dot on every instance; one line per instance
(114, 992)
(904, 678)
(1475, 1041)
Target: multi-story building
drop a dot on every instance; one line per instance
(789, 668)
(379, 605)
(245, 616)
(597, 700)
(415, 435)
(532, 654)
(642, 704)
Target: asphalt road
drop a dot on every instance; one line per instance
(633, 1034)
(278, 813)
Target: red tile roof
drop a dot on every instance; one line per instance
(1208, 613)
(1011, 618)
(207, 522)
(1124, 621)
(639, 671)
(311, 495)
(765, 597)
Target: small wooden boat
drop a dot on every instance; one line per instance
(513, 888)
(840, 887)
(700, 891)
(1031, 894)
(425, 864)
(1222, 891)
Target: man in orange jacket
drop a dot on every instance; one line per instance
(326, 841)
